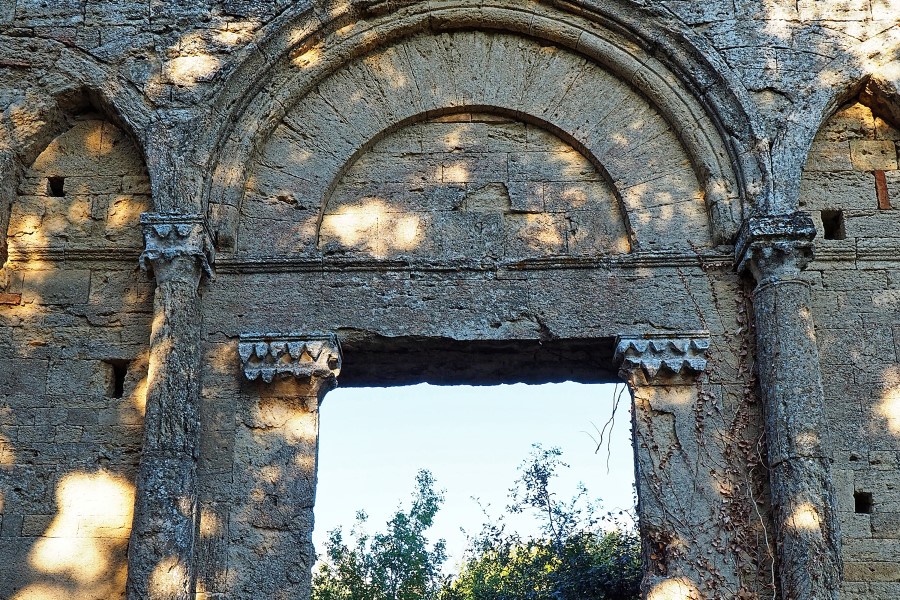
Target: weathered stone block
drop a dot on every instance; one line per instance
(79, 377)
(37, 525)
(23, 376)
(871, 571)
(885, 10)
(526, 196)
(837, 190)
(11, 525)
(56, 286)
(855, 526)
(830, 156)
(886, 525)
(873, 155)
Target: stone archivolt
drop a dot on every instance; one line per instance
(550, 85)
(647, 100)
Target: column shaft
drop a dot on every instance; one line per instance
(807, 533)
(164, 530)
(806, 528)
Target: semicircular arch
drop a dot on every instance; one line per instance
(421, 76)
(729, 175)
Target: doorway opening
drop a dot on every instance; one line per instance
(473, 440)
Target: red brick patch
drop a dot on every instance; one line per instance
(10, 298)
(881, 190)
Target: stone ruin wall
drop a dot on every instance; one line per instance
(489, 186)
(854, 279)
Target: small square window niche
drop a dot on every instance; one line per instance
(862, 502)
(833, 224)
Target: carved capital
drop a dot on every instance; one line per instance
(274, 356)
(662, 357)
(169, 236)
(775, 247)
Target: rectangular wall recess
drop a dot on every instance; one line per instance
(118, 370)
(56, 186)
(862, 502)
(833, 224)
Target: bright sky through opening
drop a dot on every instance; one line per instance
(374, 440)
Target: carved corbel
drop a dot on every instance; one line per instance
(775, 247)
(662, 357)
(312, 359)
(168, 236)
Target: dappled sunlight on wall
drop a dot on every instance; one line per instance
(167, 577)
(678, 588)
(805, 518)
(186, 70)
(374, 226)
(84, 546)
(889, 409)
(286, 420)
(473, 186)
(7, 457)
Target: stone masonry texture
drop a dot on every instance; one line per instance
(213, 212)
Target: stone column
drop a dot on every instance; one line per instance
(164, 530)
(776, 249)
(675, 500)
(277, 444)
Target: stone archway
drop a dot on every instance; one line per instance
(358, 210)
(319, 242)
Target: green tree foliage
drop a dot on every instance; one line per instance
(398, 564)
(573, 558)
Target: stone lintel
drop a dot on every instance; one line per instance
(171, 235)
(775, 244)
(676, 356)
(273, 356)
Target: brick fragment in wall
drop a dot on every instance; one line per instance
(881, 191)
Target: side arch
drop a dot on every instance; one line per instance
(74, 177)
(41, 118)
(693, 95)
(841, 81)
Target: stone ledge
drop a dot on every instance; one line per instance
(281, 264)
